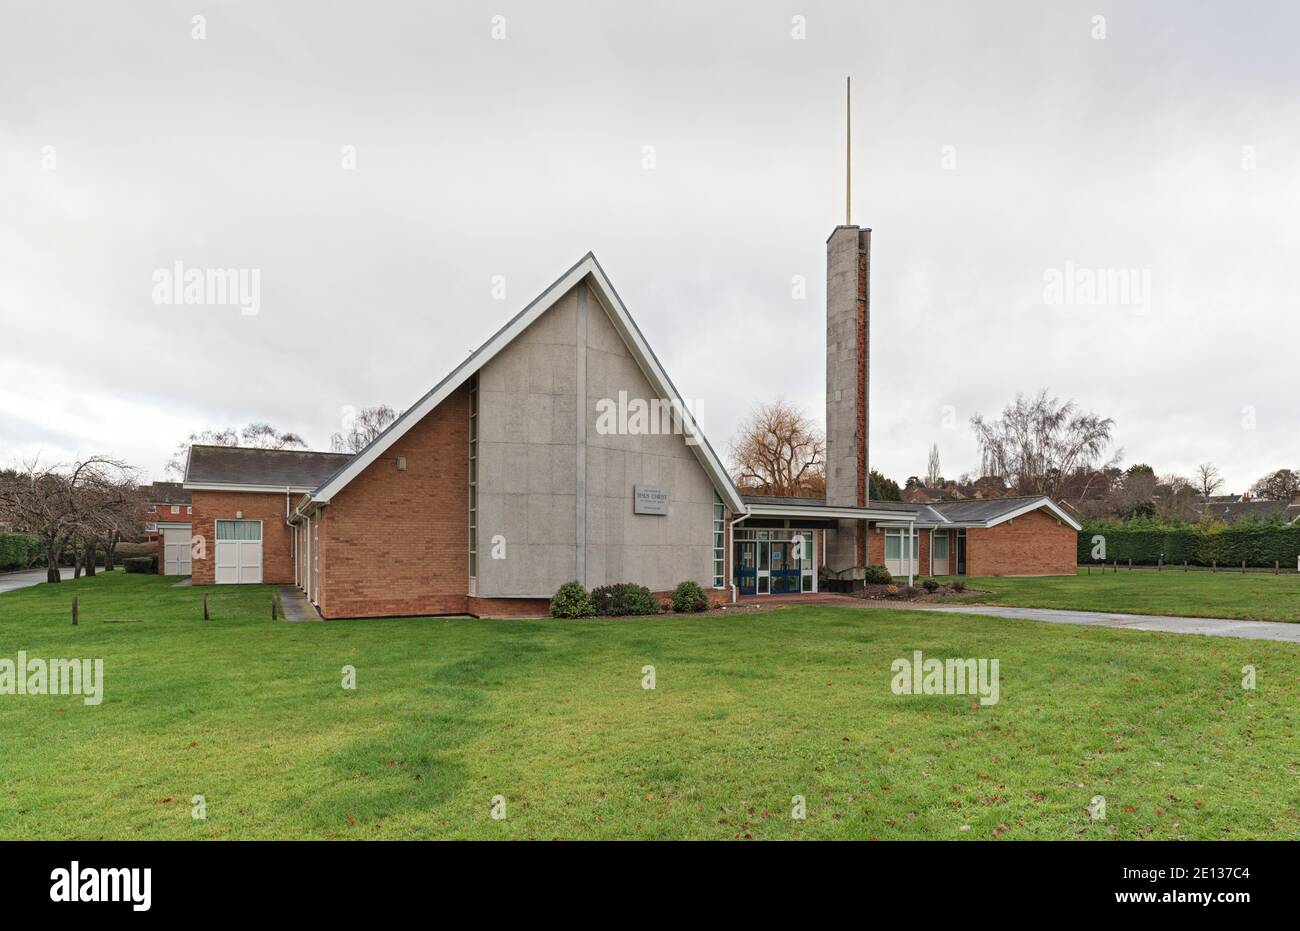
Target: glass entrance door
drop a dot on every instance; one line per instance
(785, 568)
(746, 569)
(774, 562)
(961, 552)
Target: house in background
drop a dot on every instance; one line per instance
(168, 513)
(1233, 508)
(534, 462)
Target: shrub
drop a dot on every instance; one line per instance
(689, 597)
(958, 585)
(911, 591)
(640, 601)
(572, 600)
(877, 575)
(623, 599)
(143, 564)
(891, 589)
(930, 585)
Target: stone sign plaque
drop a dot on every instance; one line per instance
(649, 499)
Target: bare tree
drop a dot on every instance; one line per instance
(1207, 482)
(116, 516)
(1282, 485)
(368, 424)
(1176, 498)
(1041, 444)
(779, 451)
(256, 436)
(933, 477)
(60, 506)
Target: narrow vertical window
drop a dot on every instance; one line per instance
(473, 477)
(719, 545)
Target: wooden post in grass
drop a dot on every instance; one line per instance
(74, 610)
(1214, 565)
(1276, 567)
(1243, 567)
(1184, 565)
(1116, 568)
(1130, 564)
(205, 606)
(274, 617)
(1090, 570)
(1160, 564)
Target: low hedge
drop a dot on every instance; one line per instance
(132, 550)
(1258, 544)
(146, 565)
(19, 551)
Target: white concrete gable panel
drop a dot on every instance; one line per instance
(555, 333)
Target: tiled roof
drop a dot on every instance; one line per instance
(167, 493)
(275, 468)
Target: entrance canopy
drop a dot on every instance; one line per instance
(816, 510)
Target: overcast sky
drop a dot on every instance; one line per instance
(994, 143)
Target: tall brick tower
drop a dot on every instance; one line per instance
(848, 328)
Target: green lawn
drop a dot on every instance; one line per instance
(749, 710)
(1253, 595)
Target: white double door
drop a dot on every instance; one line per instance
(176, 551)
(239, 552)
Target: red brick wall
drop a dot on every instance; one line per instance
(1037, 543)
(277, 542)
(397, 543)
(508, 607)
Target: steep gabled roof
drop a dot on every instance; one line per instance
(587, 269)
(243, 468)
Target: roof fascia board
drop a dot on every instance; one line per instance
(1034, 506)
(257, 489)
(776, 510)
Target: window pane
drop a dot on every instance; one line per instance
(893, 546)
(239, 530)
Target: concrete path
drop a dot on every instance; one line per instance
(1210, 626)
(10, 581)
(296, 606)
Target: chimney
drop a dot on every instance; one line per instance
(848, 287)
